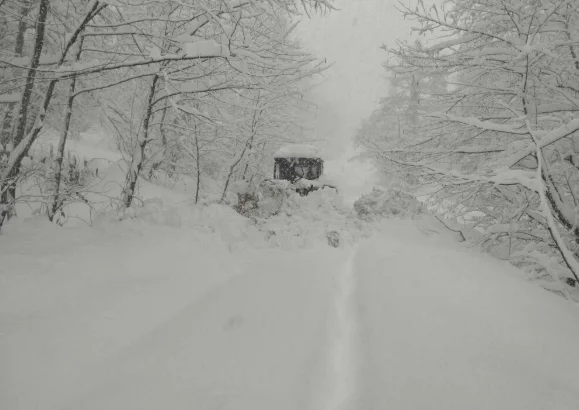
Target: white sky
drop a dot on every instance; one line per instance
(351, 38)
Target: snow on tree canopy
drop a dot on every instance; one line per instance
(298, 151)
(206, 48)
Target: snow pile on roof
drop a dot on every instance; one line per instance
(298, 151)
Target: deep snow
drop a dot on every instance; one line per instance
(180, 306)
(447, 329)
(139, 315)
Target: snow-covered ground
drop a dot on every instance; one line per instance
(194, 306)
(445, 329)
(141, 315)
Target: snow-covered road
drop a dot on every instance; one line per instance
(248, 343)
(445, 329)
(402, 321)
(161, 319)
(334, 382)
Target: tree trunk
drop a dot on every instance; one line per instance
(197, 164)
(139, 154)
(156, 164)
(234, 165)
(246, 167)
(569, 37)
(7, 122)
(8, 185)
(259, 162)
(56, 203)
(31, 76)
(247, 144)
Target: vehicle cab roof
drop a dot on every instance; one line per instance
(298, 151)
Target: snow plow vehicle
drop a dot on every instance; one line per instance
(302, 166)
(297, 168)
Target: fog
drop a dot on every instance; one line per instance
(351, 39)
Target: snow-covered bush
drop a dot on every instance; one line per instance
(274, 195)
(267, 199)
(50, 185)
(247, 197)
(383, 203)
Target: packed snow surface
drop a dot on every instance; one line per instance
(140, 315)
(297, 151)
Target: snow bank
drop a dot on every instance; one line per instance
(298, 151)
(73, 298)
(284, 219)
(540, 262)
(109, 170)
(235, 230)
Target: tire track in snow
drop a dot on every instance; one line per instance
(336, 382)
